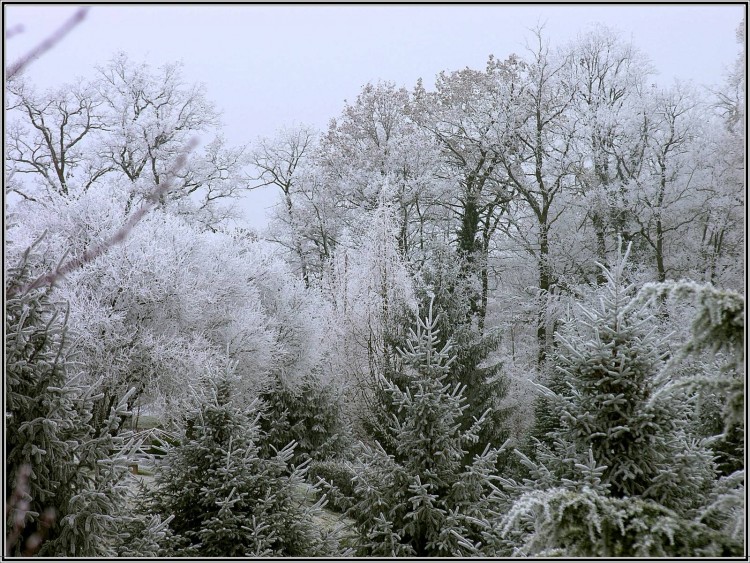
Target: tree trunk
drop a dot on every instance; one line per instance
(544, 286)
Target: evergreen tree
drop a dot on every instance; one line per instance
(560, 522)
(422, 499)
(648, 486)
(309, 414)
(608, 361)
(69, 479)
(225, 498)
(40, 412)
(473, 345)
(718, 335)
(711, 364)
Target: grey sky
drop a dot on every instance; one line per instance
(270, 66)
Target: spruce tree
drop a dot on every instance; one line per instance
(608, 362)
(226, 500)
(561, 522)
(40, 414)
(711, 363)
(68, 478)
(710, 366)
(619, 473)
(422, 499)
(309, 414)
(473, 345)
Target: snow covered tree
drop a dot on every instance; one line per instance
(473, 117)
(560, 522)
(610, 74)
(421, 499)
(282, 162)
(39, 411)
(717, 338)
(717, 330)
(125, 127)
(70, 474)
(308, 414)
(371, 290)
(619, 473)
(374, 144)
(147, 313)
(608, 400)
(228, 501)
(475, 366)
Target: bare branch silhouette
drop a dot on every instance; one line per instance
(150, 201)
(45, 45)
(15, 30)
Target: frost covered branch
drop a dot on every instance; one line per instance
(150, 201)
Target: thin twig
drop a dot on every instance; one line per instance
(15, 30)
(150, 201)
(47, 44)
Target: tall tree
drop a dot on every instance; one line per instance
(422, 499)
(470, 115)
(373, 151)
(666, 198)
(476, 367)
(68, 472)
(127, 125)
(611, 76)
(371, 290)
(542, 167)
(281, 162)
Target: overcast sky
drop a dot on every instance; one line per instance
(275, 65)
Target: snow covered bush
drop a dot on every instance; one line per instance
(336, 480)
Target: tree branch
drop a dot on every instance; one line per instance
(47, 44)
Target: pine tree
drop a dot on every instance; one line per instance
(69, 478)
(422, 499)
(718, 335)
(40, 413)
(309, 415)
(486, 385)
(710, 366)
(225, 498)
(560, 522)
(643, 490)
(608, 361)
(473, 346)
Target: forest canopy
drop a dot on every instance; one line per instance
(500, 317)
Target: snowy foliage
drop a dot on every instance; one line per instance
(608, 400)
(421, 500)
(76, 466)
(563, 523)
(493, 198)
(370, 289)
(310, 415)
(227, 500)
